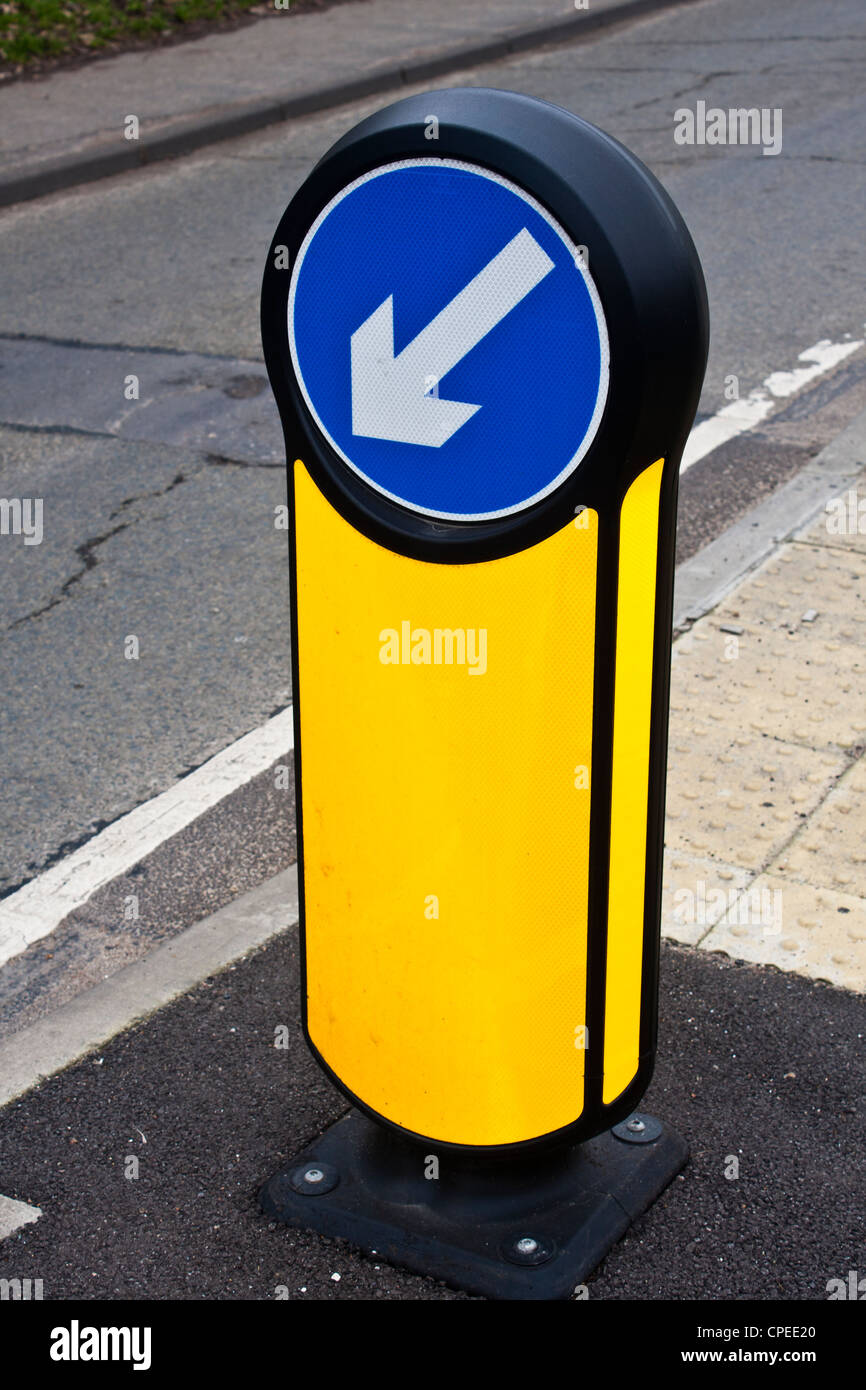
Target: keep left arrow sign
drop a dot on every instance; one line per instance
(389, 394)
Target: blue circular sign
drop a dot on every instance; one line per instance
(448, 339)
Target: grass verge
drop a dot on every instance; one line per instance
(36, 35)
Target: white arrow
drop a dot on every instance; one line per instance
(389, 394)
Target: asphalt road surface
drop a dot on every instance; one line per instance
(159, 524)
(159, 513)
(755, 1065)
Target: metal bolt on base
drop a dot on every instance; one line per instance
(313, 1179)
(638, 1129)
(527, 1228)
(526, 1250)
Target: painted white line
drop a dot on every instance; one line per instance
(41, 905)
(822, 357)
(14, 1215)
(744, 415)
(139, 989)
(726, 424)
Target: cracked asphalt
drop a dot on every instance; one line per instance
(145, 542)
(159, 515)
(159, 512)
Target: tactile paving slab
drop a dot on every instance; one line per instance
(736, 796)
(822, 934)
(792, 685)
(843, 523)
(766, 796)
(696, 893)
(830, 850)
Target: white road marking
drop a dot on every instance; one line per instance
(14, 1215)
(743, 415)
(41, 905)
(176, 966)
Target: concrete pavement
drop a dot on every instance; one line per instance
(764, 826)
(131, 110)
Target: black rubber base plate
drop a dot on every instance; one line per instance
(528, 1228)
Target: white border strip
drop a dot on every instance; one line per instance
(744, 415)
(41, 905)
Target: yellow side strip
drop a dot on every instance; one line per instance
(635, 627)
